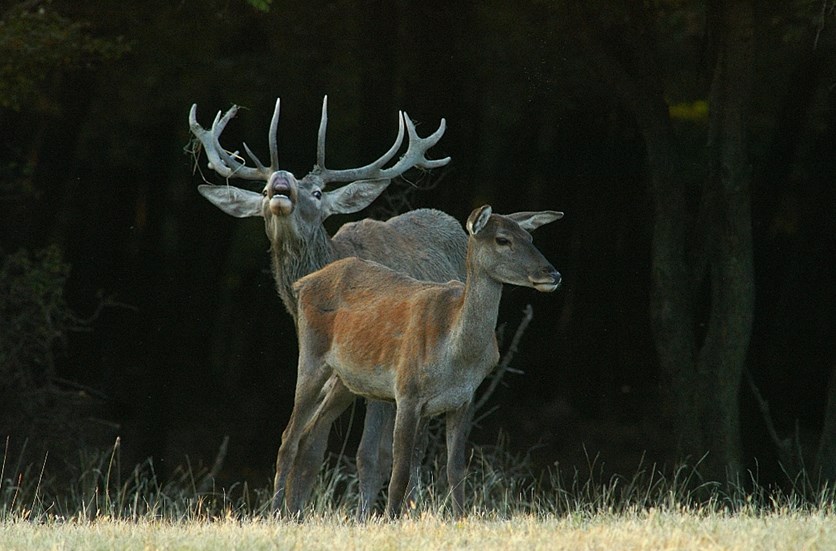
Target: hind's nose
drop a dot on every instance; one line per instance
(545, 279)
(550, 271)
(556, 276)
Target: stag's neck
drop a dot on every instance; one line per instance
(294, 257)
(480, 310)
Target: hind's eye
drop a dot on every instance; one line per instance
(317, 194)
(503, 241)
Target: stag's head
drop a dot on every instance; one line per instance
(299, 206)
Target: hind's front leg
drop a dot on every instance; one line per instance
(312, 376)
(312, 446)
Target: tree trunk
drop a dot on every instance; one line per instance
(700, 378)
(672, 310)
(730, 255)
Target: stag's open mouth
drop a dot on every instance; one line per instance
(281, 205)
(281, 194)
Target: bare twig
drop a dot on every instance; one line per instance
(401, 194)
(209, 478)
(789, 452)
(828, 7)
(504, 364)
(79, 387)
(82, 323)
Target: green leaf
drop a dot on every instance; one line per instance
(260, 5)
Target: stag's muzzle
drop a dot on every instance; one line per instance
(282, 192)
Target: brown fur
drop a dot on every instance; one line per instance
(419, 309)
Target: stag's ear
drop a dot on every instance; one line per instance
(352, 197)
(477, 219)
(234, 201)
(532, 220)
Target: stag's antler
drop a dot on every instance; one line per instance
(229, 164)
(414, 156)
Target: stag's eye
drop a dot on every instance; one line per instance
(317, 194)
(264, 192)
(502, 241)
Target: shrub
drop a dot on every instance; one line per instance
(35, 321)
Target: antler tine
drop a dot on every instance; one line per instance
(273, 138)
(258, 164)
(425, 144)
(225, 163)
(230, 166)
(320, 142)
(348, 175)
(205, 138)
(368, 171)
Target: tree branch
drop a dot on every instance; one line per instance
(788, 451)
(504, 364)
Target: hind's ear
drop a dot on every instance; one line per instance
(477, 219)
(532, 220)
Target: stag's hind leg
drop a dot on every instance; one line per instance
(374, 453)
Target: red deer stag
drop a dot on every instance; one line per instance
(424, 243)
(426, 346)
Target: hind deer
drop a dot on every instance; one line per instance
(424, 243)
(425, 346)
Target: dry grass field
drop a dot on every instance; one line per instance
(508, 509)
(656, 530)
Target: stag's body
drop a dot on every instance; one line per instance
(426, 346)
(426, 244)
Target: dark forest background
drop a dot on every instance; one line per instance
(692, 146)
